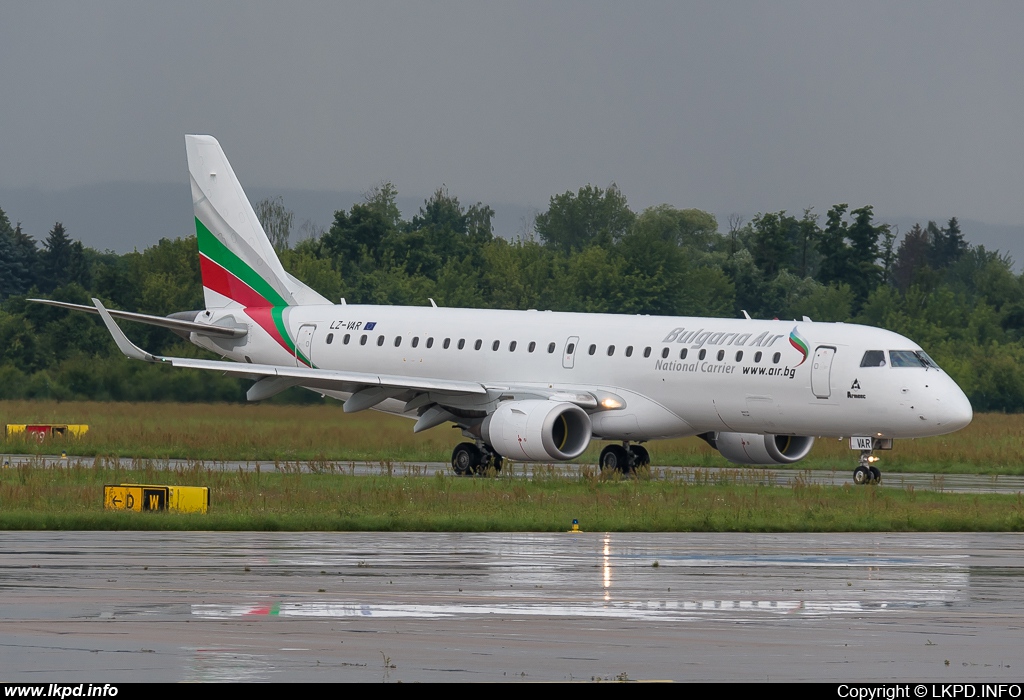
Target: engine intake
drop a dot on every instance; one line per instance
(538, 431)
(752, 448)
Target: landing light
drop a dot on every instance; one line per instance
(609, 402)
(872, 459)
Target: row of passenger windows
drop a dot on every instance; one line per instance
(569, 350)
(461, 344)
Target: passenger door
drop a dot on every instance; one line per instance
(821, 371)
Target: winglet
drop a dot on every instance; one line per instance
(124, 345)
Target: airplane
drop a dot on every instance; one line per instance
(539, 386)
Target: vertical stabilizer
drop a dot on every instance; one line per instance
(238, 263)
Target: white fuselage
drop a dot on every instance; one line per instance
(678, 376)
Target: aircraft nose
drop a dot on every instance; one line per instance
(955, 410)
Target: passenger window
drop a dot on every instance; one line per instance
(416, 341)
(531, 347)
(447, 343)
(380, 340)
(682, 354)
(398, 340)
(592, 349)
(330, 338)
(347, 338)
(478, 344)
(664, 353)
(571, 349)
(629, 351)
(776, 357)
(462, 343)
(702, 354)
(873, 358)
(721, 355)
(362, 340)
(430, 342)
(495, 345)
(739, 356)
(512, 346)
(647, 352)
(551, 348)
(757, 356)
(611, 350)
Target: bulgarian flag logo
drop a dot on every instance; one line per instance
(798, 342)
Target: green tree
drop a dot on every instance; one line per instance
(18, 259)
(835, 252)
(63, 260)
(592, 216)
(276, 220)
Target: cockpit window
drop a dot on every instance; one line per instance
(873, 358)
(911, 358)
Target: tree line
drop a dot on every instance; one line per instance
(588, 252)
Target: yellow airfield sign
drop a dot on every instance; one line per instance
(147, 497)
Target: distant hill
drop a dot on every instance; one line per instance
(121, 217)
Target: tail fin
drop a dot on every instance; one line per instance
(238, 263)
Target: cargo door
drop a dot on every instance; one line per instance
(304, 346)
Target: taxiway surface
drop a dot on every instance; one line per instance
(138, 606)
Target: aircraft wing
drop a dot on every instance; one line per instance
(274, 378)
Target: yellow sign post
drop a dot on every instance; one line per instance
(41, 431)
(146, 497)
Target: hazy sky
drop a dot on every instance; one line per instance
(914, 107)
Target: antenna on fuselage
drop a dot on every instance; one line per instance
(746, 315)
(343, 302)
(432, 303)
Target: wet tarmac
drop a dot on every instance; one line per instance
(135, 606)
(952, 483)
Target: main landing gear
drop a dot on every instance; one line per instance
(866, 472)
(467, 458)
(624, 458)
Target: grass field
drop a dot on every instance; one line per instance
(69, 496)
(992, 444)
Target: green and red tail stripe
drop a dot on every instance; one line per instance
(226, 274)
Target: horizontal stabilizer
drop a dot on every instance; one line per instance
(173, 324)
(301, 376)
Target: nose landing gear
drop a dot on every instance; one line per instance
(866, 472)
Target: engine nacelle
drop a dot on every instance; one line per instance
(751, 448)
(538, 431)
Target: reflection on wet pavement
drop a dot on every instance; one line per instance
(334, 606)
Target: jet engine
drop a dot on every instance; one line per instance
(538, 430)
(751, 448)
